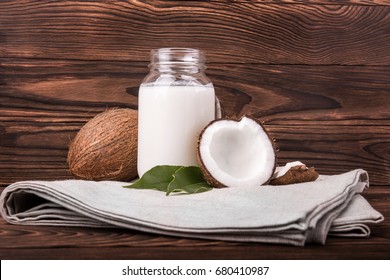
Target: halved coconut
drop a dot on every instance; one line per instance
(236, 153)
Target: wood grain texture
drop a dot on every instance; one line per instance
(317, 71)
(251, 32)
(308, 2)
(335, 118)
(45, 242)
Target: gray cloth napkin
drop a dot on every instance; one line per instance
(292, 214)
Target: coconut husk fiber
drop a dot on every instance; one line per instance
(105, 148)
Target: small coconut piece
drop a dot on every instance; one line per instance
(236, 153)
(105, 148)
(292, 173)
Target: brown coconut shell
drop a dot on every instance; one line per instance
(206, 174)
(296, 174)
(105, 148)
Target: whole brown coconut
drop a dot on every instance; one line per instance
(105, 148)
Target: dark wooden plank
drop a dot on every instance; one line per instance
(308, 2)
(344, 95)
(252, 32)
(44, 104)
(339, 250)
(45, 242)
(58, 89)
(335, 118)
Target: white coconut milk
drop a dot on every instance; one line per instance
(170, 119)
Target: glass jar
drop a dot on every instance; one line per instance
(176, 101)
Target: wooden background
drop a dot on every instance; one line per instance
(318, 73)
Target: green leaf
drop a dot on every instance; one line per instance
(172, 179)
(157, 178)
(189, 180)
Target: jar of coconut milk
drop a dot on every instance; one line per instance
(176, 101)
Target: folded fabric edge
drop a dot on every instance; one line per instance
(212, 235)
(291, 238)
(295, 239)
(321, 224)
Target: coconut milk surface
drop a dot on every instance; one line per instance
(170, 119)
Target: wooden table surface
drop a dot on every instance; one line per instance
(318, 73)
(46, 242)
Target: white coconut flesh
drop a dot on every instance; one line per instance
(237, 153)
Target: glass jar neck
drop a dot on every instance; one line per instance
(174, 60)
